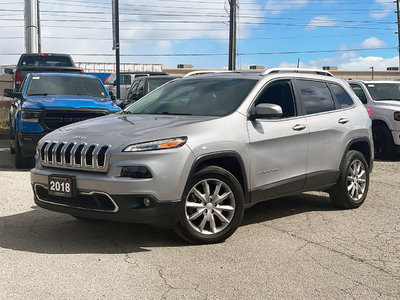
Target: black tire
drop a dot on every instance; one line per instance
(383, 141)
(346, 193)
(214, 209)
(12, 149)
(20, 161)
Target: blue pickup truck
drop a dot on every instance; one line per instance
(47, 101)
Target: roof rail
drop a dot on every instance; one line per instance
(195, 73)
(297, 70)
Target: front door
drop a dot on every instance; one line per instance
(278, 147)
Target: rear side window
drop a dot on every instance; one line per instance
(341, 96)
(46, 61)
(315, 96)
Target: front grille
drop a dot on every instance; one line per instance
(74, 155)
(53, 119)
(90, 201)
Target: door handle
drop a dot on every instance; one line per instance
(299, 127)
(343, 120)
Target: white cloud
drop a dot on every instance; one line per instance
(350, 61)
(139, 26)
(382, 8)
(275, 7)
(321, 21)
(372, 42)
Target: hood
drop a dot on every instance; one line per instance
(68, 101)
(391, 104)
(119, 129)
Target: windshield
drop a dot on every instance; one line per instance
(155, 83)
(65, 85)
(202, 97)
(384, 91)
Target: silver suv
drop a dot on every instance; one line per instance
(382, 99)
(196, 152)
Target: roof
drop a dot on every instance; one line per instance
(63, 75)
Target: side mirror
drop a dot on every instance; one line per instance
(11, 94)
(266, 110)
(8, 71)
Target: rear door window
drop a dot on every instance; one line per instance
(315, 96)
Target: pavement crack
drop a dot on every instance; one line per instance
(352, 257)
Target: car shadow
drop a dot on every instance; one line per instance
(42, 231)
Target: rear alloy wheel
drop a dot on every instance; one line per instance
(213, 207)
(352, 187)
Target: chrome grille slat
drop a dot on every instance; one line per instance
(87, 153)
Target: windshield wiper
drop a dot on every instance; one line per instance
(38, 94)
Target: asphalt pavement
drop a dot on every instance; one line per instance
(298, 247)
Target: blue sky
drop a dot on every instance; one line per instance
(363, 30)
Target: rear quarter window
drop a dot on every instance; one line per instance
(341, 96)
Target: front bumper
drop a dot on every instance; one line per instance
(120, 208)
(396, 137)
(109, 196)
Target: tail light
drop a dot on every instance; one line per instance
(369, 112)
(17, 77)
(82, 72)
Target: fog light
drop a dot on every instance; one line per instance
(136, 172)
(146, 202)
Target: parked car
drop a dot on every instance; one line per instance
(41, 63)
(382, 99)
(197, 151)
(126, 79)
(48, 101)
(142, 86)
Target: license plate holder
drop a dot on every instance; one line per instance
(62, 186)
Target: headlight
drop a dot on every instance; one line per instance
(157, 145)
(397, 115)
(30, 115)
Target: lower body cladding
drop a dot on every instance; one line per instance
(111, 196)
(396, 139)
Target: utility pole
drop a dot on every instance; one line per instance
(39, 28)
(31, 26)
(372, 72)
(116, 47)
(232, 35)
(398, 29)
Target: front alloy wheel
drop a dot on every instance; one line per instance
(210, 206)
(213, 207)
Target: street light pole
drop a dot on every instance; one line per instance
(116, 46)
(398, 28)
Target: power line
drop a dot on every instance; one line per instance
(224, 54)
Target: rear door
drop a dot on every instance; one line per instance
(278, 147)
(329, 125)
